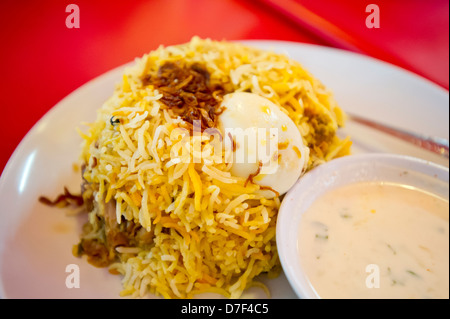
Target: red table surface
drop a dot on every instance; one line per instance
(42, 60)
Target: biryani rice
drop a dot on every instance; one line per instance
(192, 227)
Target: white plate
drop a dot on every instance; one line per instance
(36, 241)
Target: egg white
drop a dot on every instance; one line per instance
(266, 140)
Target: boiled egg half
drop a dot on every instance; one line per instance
(264, 145)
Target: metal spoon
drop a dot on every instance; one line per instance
(436, 145)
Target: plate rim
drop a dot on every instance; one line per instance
(358, 55)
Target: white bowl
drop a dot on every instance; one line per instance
(339, 172)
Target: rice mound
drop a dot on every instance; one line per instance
(181, 229)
